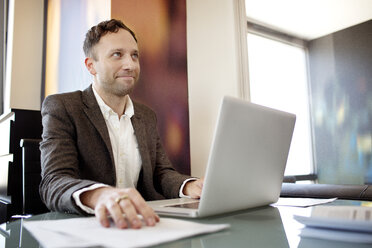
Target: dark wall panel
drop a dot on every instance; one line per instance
(341, 95)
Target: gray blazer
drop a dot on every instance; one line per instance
(76, 151)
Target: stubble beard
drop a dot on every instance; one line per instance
(118, 89)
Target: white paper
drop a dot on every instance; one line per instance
(85, 232)
(336, 235)
(342, 223)
(345, 225)
(301, 202)
(354, 213)
(352, 218)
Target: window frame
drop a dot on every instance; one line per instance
(276, 35)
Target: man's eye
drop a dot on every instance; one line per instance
(117, 54)
(135, 56)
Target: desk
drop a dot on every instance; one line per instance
(259, 227)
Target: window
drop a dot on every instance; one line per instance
(278, 79)
(317, 69)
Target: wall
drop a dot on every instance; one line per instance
(212, 70)
(160, 28)
(24, 54)
(2, 62)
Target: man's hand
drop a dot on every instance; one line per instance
(116, 202)
(194, 188)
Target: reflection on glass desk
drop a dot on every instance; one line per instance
(259, 227)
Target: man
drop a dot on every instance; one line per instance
(101, 152)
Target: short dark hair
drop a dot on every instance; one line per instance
(94, 34)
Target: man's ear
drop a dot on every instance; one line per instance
(89, 64)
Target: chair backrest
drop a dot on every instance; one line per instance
(31, 177)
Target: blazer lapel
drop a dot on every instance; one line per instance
(94, 114)
(140, 133)
(146, 185)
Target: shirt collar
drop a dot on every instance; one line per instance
(107, 111)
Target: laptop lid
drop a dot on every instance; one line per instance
(247, 159)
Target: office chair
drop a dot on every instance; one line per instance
(31, 177)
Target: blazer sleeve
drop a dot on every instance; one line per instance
(165, 175)
(59, 158)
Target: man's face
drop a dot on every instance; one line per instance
(115, 65)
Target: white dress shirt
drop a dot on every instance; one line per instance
(124, 145)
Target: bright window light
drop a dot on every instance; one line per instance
(278, 79)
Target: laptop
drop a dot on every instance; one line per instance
(246, 163)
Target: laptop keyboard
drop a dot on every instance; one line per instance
(192, 205)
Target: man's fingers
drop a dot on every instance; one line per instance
(124, 205)
(142, 208)
(101, 215)
(196, 188)
(196, 193)
(130, 213)
(200, 182)
(116, 214)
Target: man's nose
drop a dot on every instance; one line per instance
(128, 63)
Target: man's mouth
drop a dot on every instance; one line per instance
(124, 76)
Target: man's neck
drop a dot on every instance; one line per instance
(116, 103)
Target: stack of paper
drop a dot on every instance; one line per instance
(87, 232)
(342, 223)
(301, 202)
